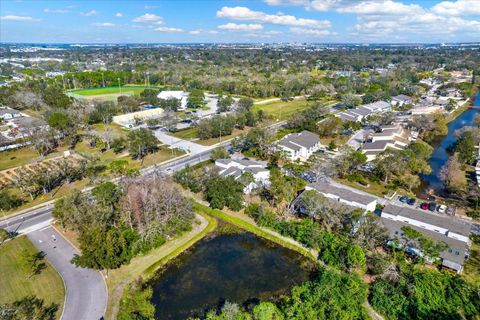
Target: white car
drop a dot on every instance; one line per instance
(442, 208)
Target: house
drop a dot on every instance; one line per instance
(363, 111)
(344, 195)
(392, 136)
(182, 96)
(401, 100)
(299, 146)
(237, 168)
(8, 113)
(454, 232)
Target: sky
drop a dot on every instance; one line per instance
(241, 21)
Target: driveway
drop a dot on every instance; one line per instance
(86, 293)
(185, 145)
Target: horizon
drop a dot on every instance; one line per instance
(267, 21)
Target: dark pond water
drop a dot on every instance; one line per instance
(237, 267)
(440, 155)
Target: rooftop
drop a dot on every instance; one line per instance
(304, 139)
(342, 193)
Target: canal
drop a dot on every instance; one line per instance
(440, 155)
(229, 266)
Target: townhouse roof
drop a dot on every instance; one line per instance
(377, 105)
(304, 139)
(29, 122)
(343, 193)
(232, 171)
(377, 145)
(346, 116)
(452, 224)
(402, 97)
(456, 249)
(8, 111)
(361, 111)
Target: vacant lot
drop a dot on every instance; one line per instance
(14, 282)
(282, 110)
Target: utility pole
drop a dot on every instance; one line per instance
(119, 87)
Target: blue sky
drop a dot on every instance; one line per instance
(370, 21)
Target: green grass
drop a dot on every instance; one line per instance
(22, 156)
(14, 285)
(187, 134)
(110, 90)
(471, 270)
(241, 223)
(282, 110)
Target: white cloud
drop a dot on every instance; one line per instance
(149, 18)
(147, 7)
(201, 31)
(388, 7)
(167, 29)
(17, 18)
(119, 14)
(48, 10)
(246, 14)
(103, 24)
(89, 13)
(241, 27)
(316, 5)
(457, 8)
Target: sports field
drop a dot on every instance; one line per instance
(136, 90)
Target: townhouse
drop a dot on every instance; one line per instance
(239, 168)
(358, 114)
(391, 136)
(299, 146)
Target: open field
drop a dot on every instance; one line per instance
(136, 90)
(186, 134)
(282, 110)
(48, 285)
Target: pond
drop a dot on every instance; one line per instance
(236, 267)
(440, 155)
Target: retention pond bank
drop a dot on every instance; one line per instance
(228, 265)
(440, 155)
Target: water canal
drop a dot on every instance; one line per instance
(234, 266)
(440, 155)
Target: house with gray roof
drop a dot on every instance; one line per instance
(401, 100)
(363, 111)
(299, 146)
(8, 114)
(347, 196)
(243, 168)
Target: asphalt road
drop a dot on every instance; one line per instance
(86, 296)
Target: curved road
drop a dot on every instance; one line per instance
(86, 292)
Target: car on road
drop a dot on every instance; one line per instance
(403, 199)
(424, 206)
(442, 208)
(411, 201)
(450, 211)
(432, 206)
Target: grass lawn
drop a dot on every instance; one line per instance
(22, 156)
(339, 140)
(282, 110)
(111, 90)
(375, 188)
(146, 265)
(186, 134)
(212, 141)
(48, 285)
(471, 270)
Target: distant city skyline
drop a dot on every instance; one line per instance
(311, 21)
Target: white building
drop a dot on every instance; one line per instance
(392, 136)
(8, 114)
(344, 195)
(182, 96)
(130, 119)
(363, 111)
(237, 168)
(299, 146)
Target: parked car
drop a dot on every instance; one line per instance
(442, 208)
(403, 199)
(424, 206)
(450, 211)
(432, 206)
(411, 201)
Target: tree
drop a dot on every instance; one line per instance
(465, 147)
(33, 262)
(330, 127)
(135, 302)
(224, 103)
(196, 99)
(27, 308)
(141, 142)
(8, 200)
(224, 192)
(452, 175)
(244, 104)
(219, 153)
(60, 122)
